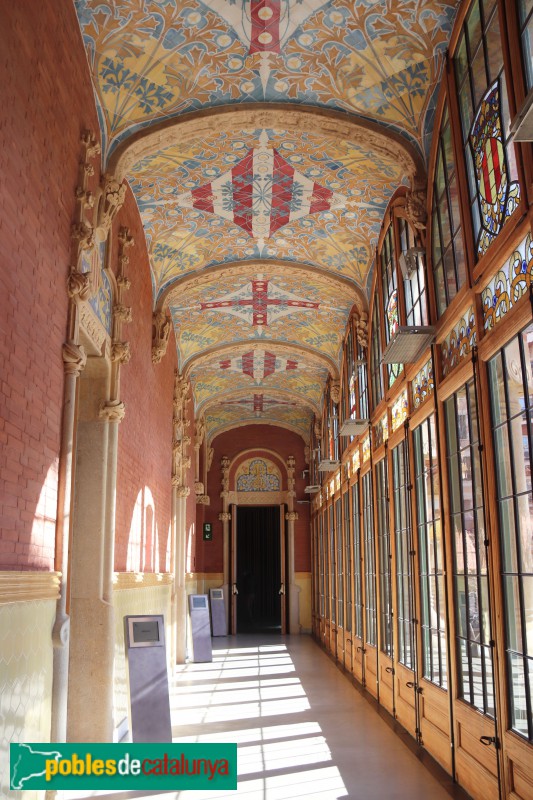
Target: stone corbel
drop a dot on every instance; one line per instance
(224, 462)
(74, 358)
(78, 285)
(335, 392)
(416, 207)
(111, 196)
(161, 326)
(122, 313)
(203, 500)
(113, 411)
(361, 327)
(291, 516)
(224, 516)
(83, 234)
(120, 352)
(198, 488)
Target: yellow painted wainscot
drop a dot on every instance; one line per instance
(27, 613)
(136, 593)
(304, 582)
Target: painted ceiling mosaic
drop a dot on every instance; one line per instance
(251, 307)
(261, 234)
(285, 195)
(156, 59)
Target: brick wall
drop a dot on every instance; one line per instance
(145, 435)
(283, 443)
(46, 101)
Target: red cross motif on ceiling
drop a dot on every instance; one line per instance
(258, 364)
(259, 303)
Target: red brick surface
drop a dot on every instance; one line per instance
(231, 444)
(46, 101)
(145, 434)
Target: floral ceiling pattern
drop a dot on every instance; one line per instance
(155, 59)
(261, 233)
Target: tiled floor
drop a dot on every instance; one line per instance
(302, 730)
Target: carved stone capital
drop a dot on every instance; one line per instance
(291, 462)
(112, 195)
(79, 285)
(120, 352)
(112, 411)
(361, 327)
(124, 284)
(181, 490)
(74, 358)
(198, 487)
(224, 516)
(335, 392)
(125, 239)
(92, 146)
(161, 326)
(291, 516)
(224, 495)
(202, 500)
(122, 313)
(224, 462)
(83, 233)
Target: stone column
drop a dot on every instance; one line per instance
(74, 360)
(225, 518)
(291, 516)
(92, 621)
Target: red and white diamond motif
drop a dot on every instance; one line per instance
(262, 193)
(258, 364)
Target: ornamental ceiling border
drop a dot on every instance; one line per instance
(247, 116)
(275, 391)
(244, 268)
(312, 356)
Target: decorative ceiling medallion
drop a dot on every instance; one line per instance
(261, 194)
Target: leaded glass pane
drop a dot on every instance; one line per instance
(369, 561)
(472, 628)
(512, 436)
(382, 503)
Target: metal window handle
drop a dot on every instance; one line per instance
(234, 589)
(361, 650)
(488, 740)
(282, 589)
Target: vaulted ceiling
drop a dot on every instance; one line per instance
(263, 140)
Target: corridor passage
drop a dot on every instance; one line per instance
(303, 731)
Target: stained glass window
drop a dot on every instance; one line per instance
(490, 158)
(332, 568)
(447, 245)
